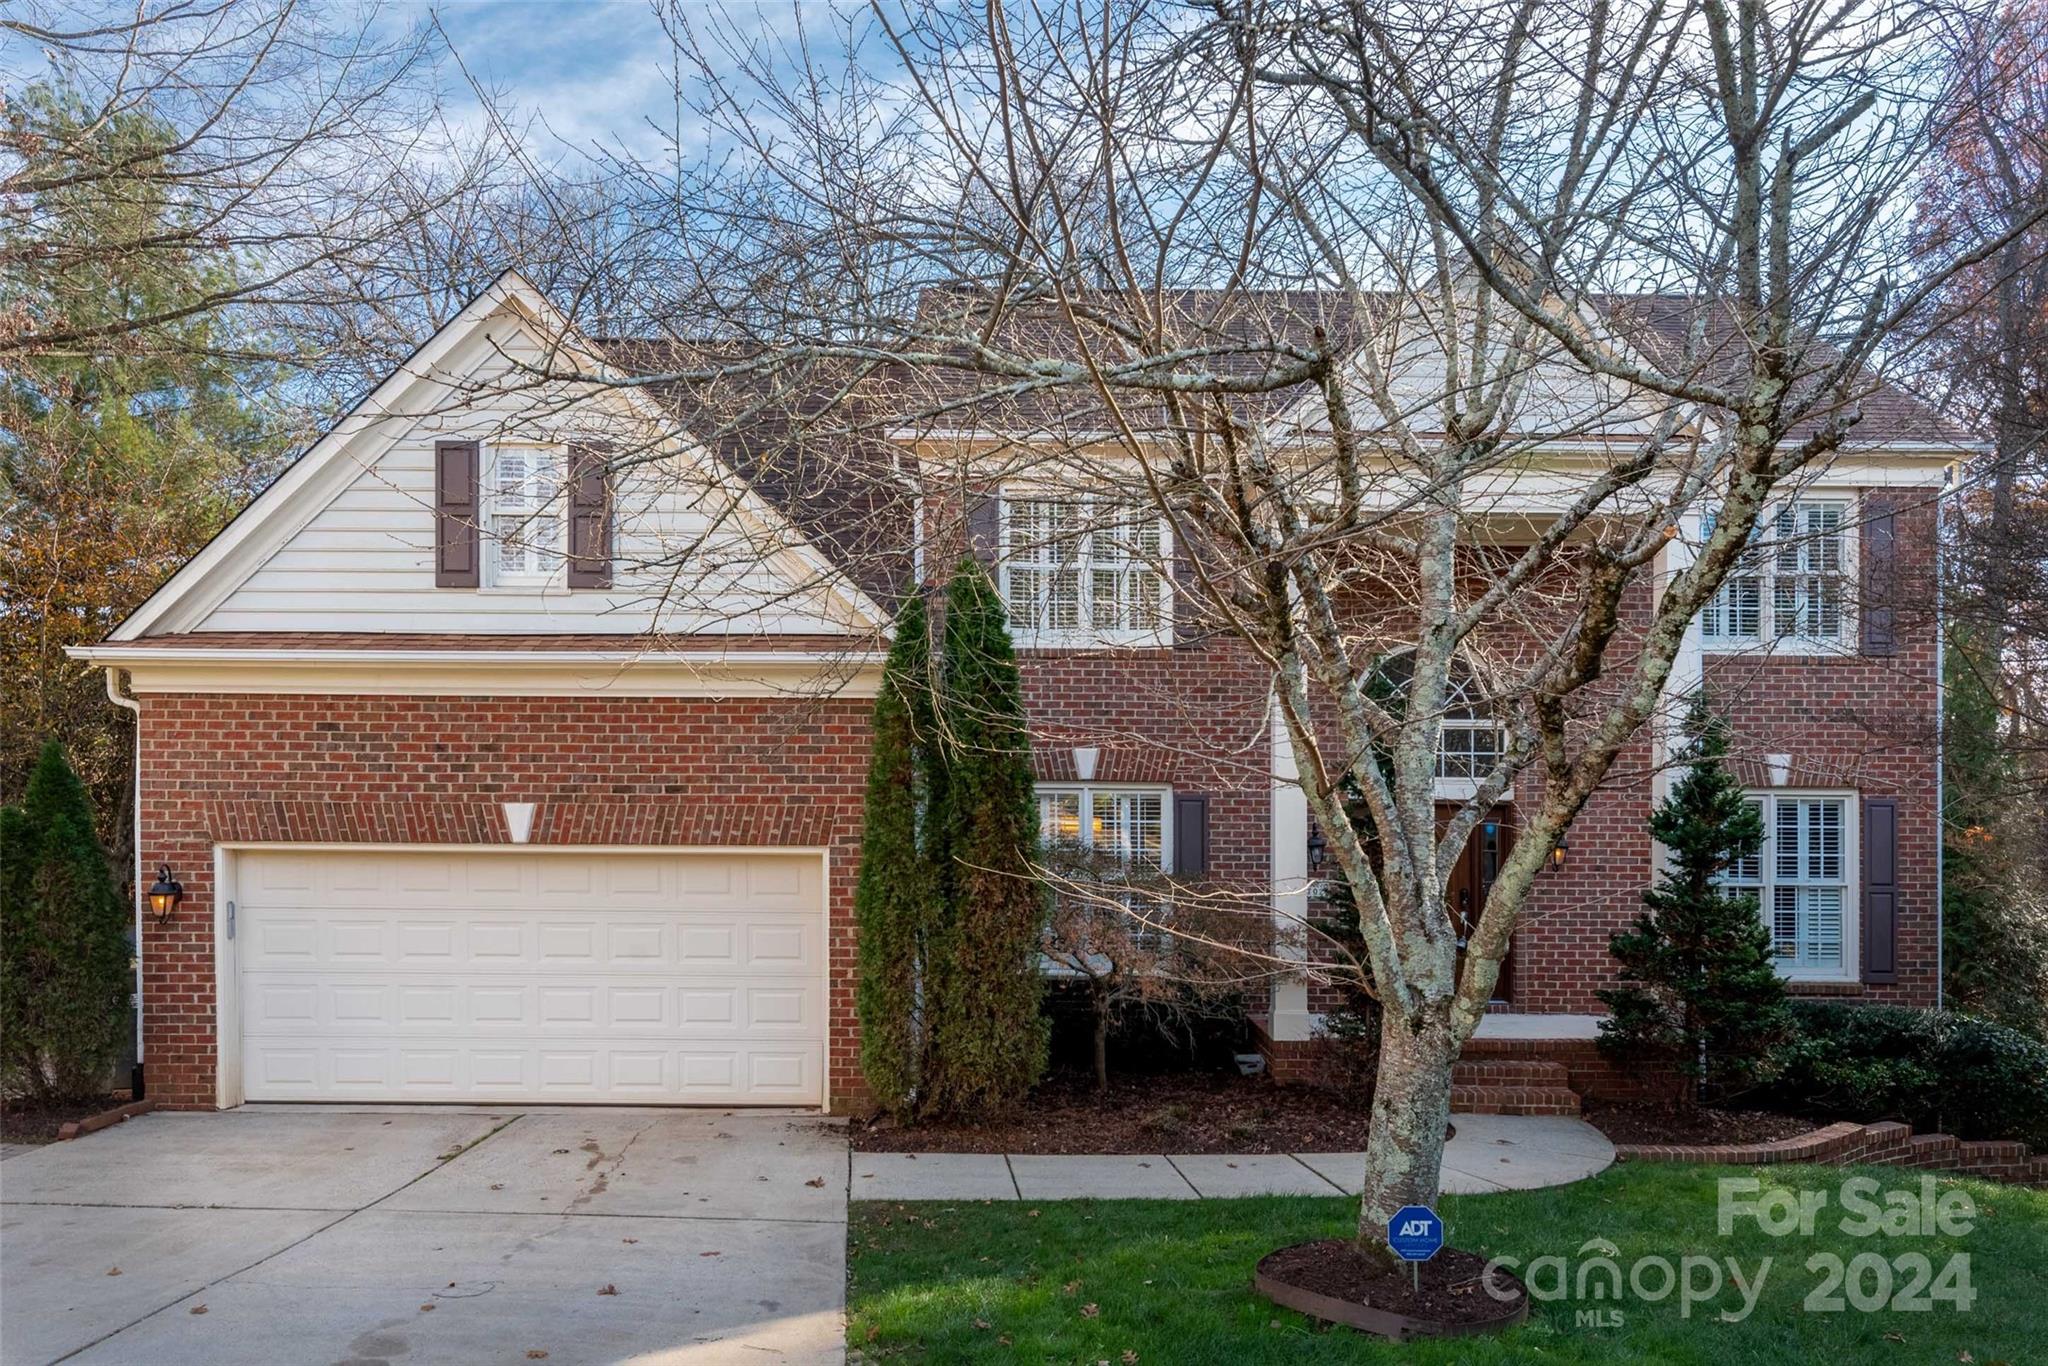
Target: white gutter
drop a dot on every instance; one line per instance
(130, 704)
(117, 654)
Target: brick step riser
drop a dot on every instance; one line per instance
(1514, 1100)
(1508, 1072)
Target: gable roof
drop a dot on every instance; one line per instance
(268, 521)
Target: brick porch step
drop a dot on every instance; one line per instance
(1514, 1100)
(1509, 1072)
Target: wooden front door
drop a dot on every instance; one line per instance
(1472, 878)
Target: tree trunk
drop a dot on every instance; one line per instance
(1411, 1104)
(1102, 1048)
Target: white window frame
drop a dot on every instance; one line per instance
(545, 558)
(1088, 792)
(1768, 879)
(1763, 566)
(1083, 564)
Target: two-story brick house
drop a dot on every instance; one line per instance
(491, 777)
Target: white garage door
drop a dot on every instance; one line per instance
(691, 978)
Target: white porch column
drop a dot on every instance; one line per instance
(1291, 1020)
(1687, 671)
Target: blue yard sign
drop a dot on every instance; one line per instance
(1415, 1233)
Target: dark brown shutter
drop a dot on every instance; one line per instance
(1881, 889)
(1190, 835)
(458, 559)
(590, 519)
(1877, 610)
(1187, 595)
(984, 528)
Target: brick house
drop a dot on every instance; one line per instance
(490, 777)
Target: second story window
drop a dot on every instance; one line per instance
(524, 521)
(1790, 585)
(1078, 569)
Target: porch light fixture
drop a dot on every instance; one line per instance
(1558, 851)
(165, 894)
(1318, 847)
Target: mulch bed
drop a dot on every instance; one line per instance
(1444, 1294)
(1637, 1123)
(1168, 1113)
(21, 1122)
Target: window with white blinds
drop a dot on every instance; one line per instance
(525, 514)
(1791, 584)
(1084, 570)
(1801, 877)
(1127, 822)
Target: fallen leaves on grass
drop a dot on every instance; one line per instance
(1089, 1311)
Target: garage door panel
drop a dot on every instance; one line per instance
(687, 977)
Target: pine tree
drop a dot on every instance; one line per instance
(895, 903)
(988, 1036)
(1698, 984)
(67, 956)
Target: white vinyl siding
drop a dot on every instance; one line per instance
(1079, 571)
(1791, 585)
(362, 555)
(1802, 877)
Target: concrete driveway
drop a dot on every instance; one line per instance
(406, 1235)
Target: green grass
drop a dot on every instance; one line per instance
(1170, 1280)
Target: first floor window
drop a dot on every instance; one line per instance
(1128, 826)
(1801, 880)
(525, 517)
(1127, 823)
(1083, 568)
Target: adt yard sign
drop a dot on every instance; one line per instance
(1415, 1233)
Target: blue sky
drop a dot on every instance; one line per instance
(593, 71)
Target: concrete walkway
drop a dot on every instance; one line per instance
(1489, 1153)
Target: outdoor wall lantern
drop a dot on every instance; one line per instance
(1558, 851)
(165, 894)
(1318, 847)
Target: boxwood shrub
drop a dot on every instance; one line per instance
(1936, 1070)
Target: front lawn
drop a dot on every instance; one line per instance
(1169, 1281)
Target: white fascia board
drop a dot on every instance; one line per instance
(495, 673)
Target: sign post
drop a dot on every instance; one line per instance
(1415, 1234)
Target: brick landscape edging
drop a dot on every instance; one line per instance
(105, 1119)
(1887, 1143)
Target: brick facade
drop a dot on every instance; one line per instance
(648, 771)
(790, 772)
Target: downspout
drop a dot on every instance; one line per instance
(131, 704)
(1940, 748)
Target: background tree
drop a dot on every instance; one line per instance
(117, 463)
(1699, 986)
(1994, 915)
(66, 954)
(895, 902)
(988, 1036)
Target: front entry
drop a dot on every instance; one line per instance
(1472, 878)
